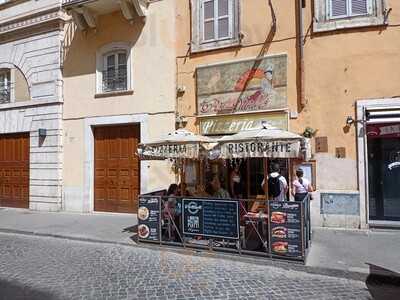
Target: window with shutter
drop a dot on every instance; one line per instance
(217, 19)
(359, 7)
(215, 24)
(341, 14)
(348, 8)
(338, 8)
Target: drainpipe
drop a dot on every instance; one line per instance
(300, 45)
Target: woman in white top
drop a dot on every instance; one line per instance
(301, 186)
(236, 183)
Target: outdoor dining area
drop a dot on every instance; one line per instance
(223, 199)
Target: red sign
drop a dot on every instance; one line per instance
(383, 131)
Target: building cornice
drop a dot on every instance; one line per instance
(11, 3)
(32, 21)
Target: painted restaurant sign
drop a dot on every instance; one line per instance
(234, 124)
(243, 86)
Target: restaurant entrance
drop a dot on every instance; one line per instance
(384, 171)
(251, 174)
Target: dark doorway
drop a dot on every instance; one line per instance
(384, 172)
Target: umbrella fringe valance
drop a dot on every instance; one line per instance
(266, 142)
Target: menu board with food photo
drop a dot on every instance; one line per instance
(286, 228)
(149, 219)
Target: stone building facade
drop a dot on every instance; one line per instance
(31, 104)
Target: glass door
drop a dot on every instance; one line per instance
(384, 172)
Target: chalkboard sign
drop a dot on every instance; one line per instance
(211, 218)
(286, 228)
(149, 219)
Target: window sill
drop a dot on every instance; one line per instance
(348, 23)
(214, 46)
(113, 94)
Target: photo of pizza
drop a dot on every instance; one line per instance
(280, 232)
(280, 247)
(143, 213)
(278, 217)
(143, 231)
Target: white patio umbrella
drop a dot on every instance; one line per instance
(266, 141)
(180, 143)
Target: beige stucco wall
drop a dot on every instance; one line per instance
(151, 103)
(21, 88)
(341, 67)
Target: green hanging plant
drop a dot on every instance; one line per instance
(309, 132)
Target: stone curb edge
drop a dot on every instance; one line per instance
(290, 266)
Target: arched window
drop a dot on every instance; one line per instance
(114, 68)
(115, 77)
(5, 86)
(13, 85)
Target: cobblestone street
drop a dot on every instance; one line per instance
(50, 268)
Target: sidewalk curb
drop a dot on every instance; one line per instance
(64, 237)
(290, 266)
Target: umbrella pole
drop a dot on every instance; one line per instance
(266, 177)
(201, 179)
(182, 174)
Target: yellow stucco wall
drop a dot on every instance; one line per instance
(340, 67)
(255, 23)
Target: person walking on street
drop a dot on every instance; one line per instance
(301, 186)
(277, 184)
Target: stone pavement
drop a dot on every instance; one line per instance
(333, 252)
(113, 228)
(36, 268)
(355, 250)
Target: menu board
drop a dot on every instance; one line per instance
(211, 218)
(149, 219)
(286, 236)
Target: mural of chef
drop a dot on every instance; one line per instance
(266, 83)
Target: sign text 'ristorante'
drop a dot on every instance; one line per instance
(273, 149)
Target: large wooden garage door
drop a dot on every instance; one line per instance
(117, 168)
(14, 170)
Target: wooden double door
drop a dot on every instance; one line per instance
(14, 170)
(117, 168)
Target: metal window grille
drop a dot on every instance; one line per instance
(115, 79)
(5, 92)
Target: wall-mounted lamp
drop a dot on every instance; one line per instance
(180, 90)
(350, 121)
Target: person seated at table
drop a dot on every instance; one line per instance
(170, 203)
(173, 190)
(172, 211)
(217, 191)
(183, 191)
(236, 183)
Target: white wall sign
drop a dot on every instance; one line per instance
(272, 149)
